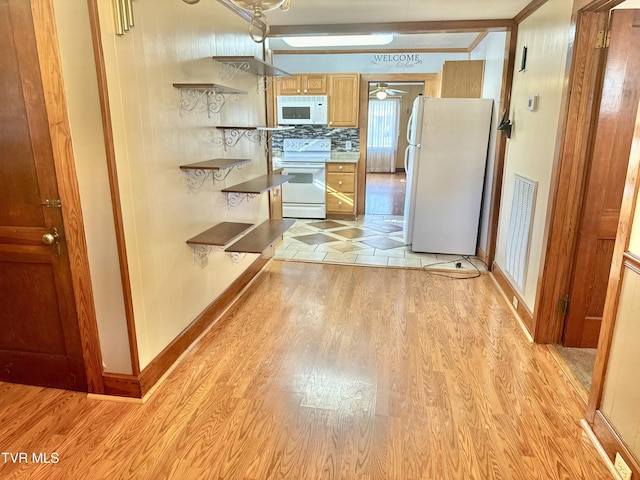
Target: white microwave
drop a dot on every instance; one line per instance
(302, 110)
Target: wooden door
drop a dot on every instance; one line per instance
(605, 184)
(39, 334)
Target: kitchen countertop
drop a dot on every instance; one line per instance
(344, 157)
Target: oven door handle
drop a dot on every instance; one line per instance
(314, 166)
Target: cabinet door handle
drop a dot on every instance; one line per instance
(339, 203)
(340, 167)
(340, 182)
(298, 90)
(305, 90)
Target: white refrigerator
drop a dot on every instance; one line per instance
(445, 164)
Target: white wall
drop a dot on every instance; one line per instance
(173, 42)
(492, 50)
(629, 4)
(634, 241)
(621, 392)
(366, 63)
(81, 89)
(531, 149)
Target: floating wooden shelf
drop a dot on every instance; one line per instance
(261, 129)
(259, 185)
(210, 87)
(276, 129)
(251, 65)
(228, 127)
(216, 164)
(221, 234)
(261, 237)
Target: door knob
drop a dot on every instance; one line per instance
(52, 238)
(48, 238)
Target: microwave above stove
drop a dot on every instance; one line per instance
(302, 110)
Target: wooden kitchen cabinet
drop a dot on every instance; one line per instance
(305, 84)
(341, 191)
(461, 79)
(344, 99)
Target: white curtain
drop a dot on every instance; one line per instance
(382, 134)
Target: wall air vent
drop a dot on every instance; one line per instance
(519, 232)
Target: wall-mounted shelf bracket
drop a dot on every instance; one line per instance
(237, 257)
(232, 135)
(235, 199)
(217, 237)
(207, 96)
(217, 169)
(243, 191)
(232, 65)
(197, 178)
(201, 253)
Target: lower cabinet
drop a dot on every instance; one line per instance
(341, 190)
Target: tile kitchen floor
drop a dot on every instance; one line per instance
(374, 240)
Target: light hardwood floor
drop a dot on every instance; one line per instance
(327, 371)
(385, 193)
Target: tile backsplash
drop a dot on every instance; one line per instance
(339, 137)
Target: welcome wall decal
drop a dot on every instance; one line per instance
(397, 60)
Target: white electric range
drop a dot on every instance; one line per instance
(304, 195)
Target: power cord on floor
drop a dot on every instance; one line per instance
(461, 276)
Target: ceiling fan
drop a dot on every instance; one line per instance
(382, 91)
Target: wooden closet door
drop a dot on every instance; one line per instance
(39, 333)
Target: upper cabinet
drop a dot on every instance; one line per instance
(461, 79)
(308, 84)
(344, 99)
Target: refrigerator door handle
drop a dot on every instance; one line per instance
(406, 158)
(409, 126)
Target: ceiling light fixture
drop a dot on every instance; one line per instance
(338, 40)
(382, 91)
(258, 25)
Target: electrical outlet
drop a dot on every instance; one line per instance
(622, 468)
(348, 145)
(515, 302)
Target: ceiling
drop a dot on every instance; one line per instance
(437, 41)
(354, 14)
(332, 12)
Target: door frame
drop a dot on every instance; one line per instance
(363, 106)
(573, 154)
(567, 197)
(68, 189)
(501, 141)
(623, 262)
